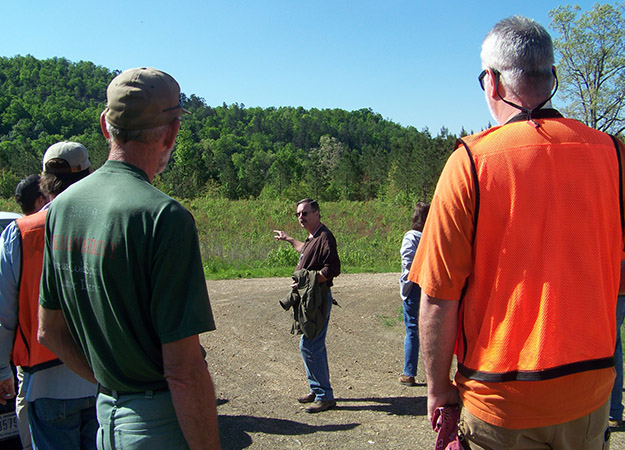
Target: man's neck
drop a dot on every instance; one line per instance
(136, 153)
(507, 112)
(312, 233)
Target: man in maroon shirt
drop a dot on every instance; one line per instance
(318, 253)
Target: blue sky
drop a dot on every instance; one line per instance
(416, 63)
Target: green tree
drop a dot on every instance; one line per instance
(228, 150)
(223, 150)
(324, 161)
(286, 169)
(591, 50)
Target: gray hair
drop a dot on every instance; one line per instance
(314, 206)
(146, 136)
(520, 49)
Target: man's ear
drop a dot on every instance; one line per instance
(494, 86)
(103, 126)
(40, 202)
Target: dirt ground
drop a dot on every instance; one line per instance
(258, 371)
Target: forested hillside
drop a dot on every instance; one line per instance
(229, 150)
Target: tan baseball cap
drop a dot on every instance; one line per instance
(74, 154)
(142, 98)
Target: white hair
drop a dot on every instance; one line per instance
(520, 49)
(146, 136)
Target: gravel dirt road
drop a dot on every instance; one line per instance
(258, 371)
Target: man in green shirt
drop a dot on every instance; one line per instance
(123, 296)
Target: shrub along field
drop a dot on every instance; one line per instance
(236, 236)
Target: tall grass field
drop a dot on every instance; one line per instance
(236, 237)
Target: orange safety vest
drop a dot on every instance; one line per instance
(548, 199)
(27, 351)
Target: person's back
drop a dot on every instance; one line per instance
(48, 384)
(538, 260)
(128, 248)
(411, 294)
(520, 262)
(123, 296)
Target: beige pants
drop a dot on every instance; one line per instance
(21, 411)
(586, 433)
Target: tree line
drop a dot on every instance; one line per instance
(236, 152)
(229, 150)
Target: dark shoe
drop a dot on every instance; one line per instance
(321, 405)
(407, 381)
(307, 398)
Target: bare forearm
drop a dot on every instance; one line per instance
(438, 327)
(282, 236)
(54, 334)
(192, 393)
(297, 245)
(196, 409)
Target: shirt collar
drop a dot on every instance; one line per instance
(545, 113)
(312, 235)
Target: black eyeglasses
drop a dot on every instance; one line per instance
(303, 214)
(483, 73)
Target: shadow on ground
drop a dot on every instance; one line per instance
(237, 429)
(396, 406)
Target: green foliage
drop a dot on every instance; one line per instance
(8, 182)
(45, 101)
(283, 256)
(591, 63)
(227, 151)
(240, 170)
(9, 204)
(393, 321)
(236, 237)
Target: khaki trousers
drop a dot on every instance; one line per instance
(21, 411)
(590, 432)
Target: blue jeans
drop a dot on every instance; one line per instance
(616, 400)
(411, 341)
(146, 420)
(315, 359)
(56, 423)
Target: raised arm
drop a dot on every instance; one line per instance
(192, 392)
(282, 236)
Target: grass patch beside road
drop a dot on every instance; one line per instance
(236, 237)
